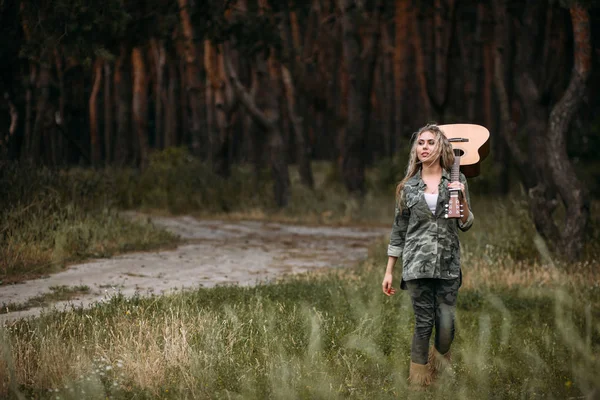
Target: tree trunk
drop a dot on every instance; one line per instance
(443, 16)
(361, 65)
(171, 106)
(140, 104)
(291, 39)
(275, 143)
(185, 104)
(543, 195)
(5, 142)
(158, 52)
(40, 127)
(306, 57)
(26, 154)
(488, 82)
(304, 168)
(209, 94)
(552, 170)
(108, 113)
(60, 117)
(387, 84)
(95, 149)
(469, 43)
(122, 79)
(421, 69)
(192, 76)
(573, 193)
(479, 61)
(223, 112)
(402, 21)
(508, 127)
(339, 97)
(254, 137)
(219, 110)
(267, 120)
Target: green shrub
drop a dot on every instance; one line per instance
(51, 217)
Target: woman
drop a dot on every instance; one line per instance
(429, 247)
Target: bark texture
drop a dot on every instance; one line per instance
(192, 77)
(291, 70)
(572, 191)
(401, 22)
(95, 149)
(360, 63)
(123, 91)
(140, 105)
(108, 113)
(268, 120)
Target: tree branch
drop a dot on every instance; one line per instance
(258, 116)
(14, 119)
(508, 129)
(572, 192)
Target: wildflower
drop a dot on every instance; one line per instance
(568, 384)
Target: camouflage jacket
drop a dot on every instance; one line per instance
(428, 243)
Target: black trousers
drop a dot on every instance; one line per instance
(434, 304)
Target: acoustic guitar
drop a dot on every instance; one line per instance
(471, 145)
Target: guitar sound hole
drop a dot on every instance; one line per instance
(459, 152)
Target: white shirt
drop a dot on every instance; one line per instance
(431, 200)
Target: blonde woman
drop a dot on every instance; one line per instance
(429, 246)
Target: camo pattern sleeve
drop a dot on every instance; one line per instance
(398, 235)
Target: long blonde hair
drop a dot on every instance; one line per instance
(442, 150)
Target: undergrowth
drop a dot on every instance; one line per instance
(49, 218)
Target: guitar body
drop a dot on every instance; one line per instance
(471, 144)
(474, 147)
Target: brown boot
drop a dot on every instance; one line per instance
(419, 376)
(439, 363)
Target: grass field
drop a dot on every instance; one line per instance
(329, 335)
(528, 326)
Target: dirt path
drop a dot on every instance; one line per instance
(216, 252)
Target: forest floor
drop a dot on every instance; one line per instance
(212, 252)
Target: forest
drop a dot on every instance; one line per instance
(275, 83)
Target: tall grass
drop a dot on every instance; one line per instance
(334, 335)
(49, 218)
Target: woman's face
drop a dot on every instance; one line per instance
(426, 143)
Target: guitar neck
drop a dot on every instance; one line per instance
(454, 207)
(455, 172)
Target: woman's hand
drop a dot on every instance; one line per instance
(459, 186)
(387, 285)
